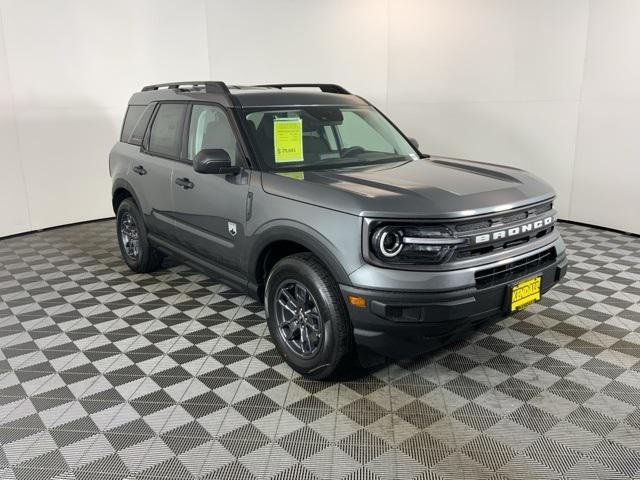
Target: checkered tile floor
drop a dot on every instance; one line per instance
(107, 374)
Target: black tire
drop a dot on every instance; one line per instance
(335, 353)
(147, 258)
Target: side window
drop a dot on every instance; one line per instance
(164, 138)
(356, 132)
(209, 128)
(134, 112)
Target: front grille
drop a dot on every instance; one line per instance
(465, 252)
(504, 218)
(513, 270)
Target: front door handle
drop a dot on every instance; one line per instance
(140, 170)
(184, 183)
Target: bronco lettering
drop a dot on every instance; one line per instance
(514, 231)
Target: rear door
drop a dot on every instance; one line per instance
(210, 210)
(159, 152)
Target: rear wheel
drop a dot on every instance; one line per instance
(136, 251)
(307, 318)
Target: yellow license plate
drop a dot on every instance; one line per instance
(525, 293)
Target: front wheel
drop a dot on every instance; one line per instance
(307, 318)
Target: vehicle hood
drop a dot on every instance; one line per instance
(434, 187)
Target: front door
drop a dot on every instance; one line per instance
(209, 210)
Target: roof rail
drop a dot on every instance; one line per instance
(210, 87)
(325, 87)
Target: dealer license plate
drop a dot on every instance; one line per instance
(525, 293)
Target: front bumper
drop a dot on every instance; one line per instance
(402, 324)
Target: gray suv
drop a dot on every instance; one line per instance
(307, 197)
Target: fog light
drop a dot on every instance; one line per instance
(357, 301)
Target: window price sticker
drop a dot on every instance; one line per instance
(287, 140)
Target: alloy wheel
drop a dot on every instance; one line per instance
(299, 321)
(130, 236)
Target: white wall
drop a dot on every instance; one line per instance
(331, 41)
(552, 87)
(14, 208)
(67, 70)
(495, 81)
(606, 176)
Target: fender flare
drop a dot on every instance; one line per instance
(121, 183)
(312, 240)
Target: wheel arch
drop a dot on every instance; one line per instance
(279, 241)
(121, 190)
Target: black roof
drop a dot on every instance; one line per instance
(273, 97)
(277, 95)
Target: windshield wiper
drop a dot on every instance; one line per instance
(329, 166)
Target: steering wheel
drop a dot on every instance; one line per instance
(351, 151)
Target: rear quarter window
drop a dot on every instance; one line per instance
(131, 118)
(141, 127)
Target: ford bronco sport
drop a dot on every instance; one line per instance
(310, 199)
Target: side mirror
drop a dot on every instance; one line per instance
(214, 160)
(414, 142)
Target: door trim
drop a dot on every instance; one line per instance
(191, 229)
(202, 234)
(162, 217)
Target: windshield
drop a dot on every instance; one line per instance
(315, 137)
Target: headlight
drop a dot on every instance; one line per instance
(388, 241)
(413, 244)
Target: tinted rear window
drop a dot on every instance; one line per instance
(164, 138)
(134, 112)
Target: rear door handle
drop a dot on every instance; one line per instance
(184, 183)
(140, 170)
